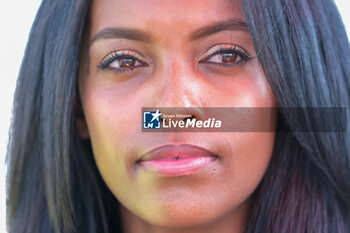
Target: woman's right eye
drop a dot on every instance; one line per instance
(122, 61)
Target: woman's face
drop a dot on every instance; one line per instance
(173, 53)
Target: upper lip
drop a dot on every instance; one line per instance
(172, 151)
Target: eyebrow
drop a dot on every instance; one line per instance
(142, 36)
(125, 33)
(231, 24)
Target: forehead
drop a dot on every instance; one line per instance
(162, 14)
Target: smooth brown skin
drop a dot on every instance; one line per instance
(216, 198)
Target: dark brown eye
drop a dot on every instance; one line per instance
(225, 57)
(124, 62)
(229, 57)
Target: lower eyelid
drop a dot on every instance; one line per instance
(225, 64)
(119, 70)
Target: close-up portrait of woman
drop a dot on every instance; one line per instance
(79, 161)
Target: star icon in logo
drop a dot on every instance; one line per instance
(156, 115)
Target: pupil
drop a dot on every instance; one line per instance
(228, 57)
(127, 62)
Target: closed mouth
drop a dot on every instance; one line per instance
(176, 160)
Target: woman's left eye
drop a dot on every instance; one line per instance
(225, 56)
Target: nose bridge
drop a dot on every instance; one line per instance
(179, 94)
(177, 80)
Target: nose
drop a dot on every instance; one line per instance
(182, 113)
(179, 91)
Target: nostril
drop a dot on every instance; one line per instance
(189, 117)
(184, 119)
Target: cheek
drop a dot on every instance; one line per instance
(111, 133)
(243, 87)
(108, 118)
(248, 156)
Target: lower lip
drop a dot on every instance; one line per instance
(179, 167)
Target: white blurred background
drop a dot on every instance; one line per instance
(16, 18)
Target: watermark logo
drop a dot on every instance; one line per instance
(151, 120)
(173, 120)
(244, 119)
(192, 123)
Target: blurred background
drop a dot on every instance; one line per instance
(16, 18)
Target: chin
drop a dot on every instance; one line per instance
(186, 213)
(181, 218)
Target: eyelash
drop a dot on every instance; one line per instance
(124, 54)
(136, 58)
(228, 49)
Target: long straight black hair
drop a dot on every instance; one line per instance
(53, 183)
